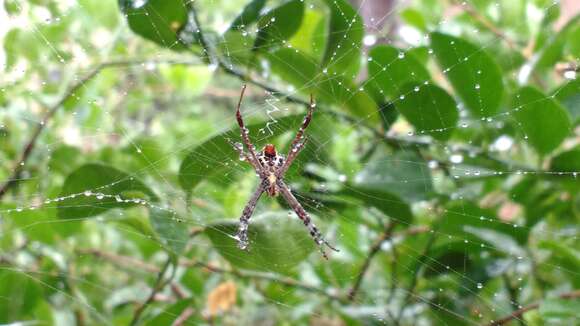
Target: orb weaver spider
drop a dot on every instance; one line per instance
(270, 168)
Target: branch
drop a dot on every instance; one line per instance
(123, 261)
(130, 262)
(19, 165)
(513, 295)
(159, 285)
(386, 236)
(473, 13)
(286, 281)
(518, 313)
(416, 273)
(183, 317)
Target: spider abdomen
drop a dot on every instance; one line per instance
(272, 162)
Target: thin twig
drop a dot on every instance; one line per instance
(513, 295)
(473, 13)
(158, 286)
(125, 261)
(183, 317)
(376, 247)
(416, 273)
(286, 281)
(19, 165)
(518, 313)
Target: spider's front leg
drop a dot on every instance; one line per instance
(303, 215)
(299, 140)
(242, 234)
(253, 157)
(240, 149)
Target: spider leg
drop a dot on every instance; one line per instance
(291, 156)
(240, 149)
(245, 134)
(299, 140)
(303, 215)
(242, 234)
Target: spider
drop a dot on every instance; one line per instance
(270, 168)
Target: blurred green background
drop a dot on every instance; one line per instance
(442, 160)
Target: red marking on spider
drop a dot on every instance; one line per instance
(270, 150)
(271, 167)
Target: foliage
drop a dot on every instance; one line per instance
(442, 160)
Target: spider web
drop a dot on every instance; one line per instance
(181, 103)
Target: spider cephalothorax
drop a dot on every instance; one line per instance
(271, 167)
(271, 162)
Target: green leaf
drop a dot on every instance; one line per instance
(172, 230)
(168, 315)
(159, 21)
(249, 15)
(21, 43)
(344, 93)
(569, 96)
(474, 74)
(332, 89)
(217, 150)
(403, 173)
(414, 18)
(391, 68)
(311, 37)
(93, 189)
(429, 109)
(278, 243)
(237, 47)
(553, 49)
(384, 200)
(346, 30)
(541, 119)
(296, 68)
(568, 161)
(464, 219)
(573, 42)
(559, 310)
(103, 12)
(279, 24)
(564, 256)
(19, 294)
(392, 183)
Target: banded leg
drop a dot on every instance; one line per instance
(240, 149)
(303, 215)
(291, 156)
(298, 142)
(245, 132)
(242, 234)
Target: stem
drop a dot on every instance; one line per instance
(19, 165)
(159, 285)
(473, 13)
(416, 274)
(513, 294)
(386, 236)
(130, 262)
(518, 313)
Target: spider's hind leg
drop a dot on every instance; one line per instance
(242, 234)
(303, 215)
